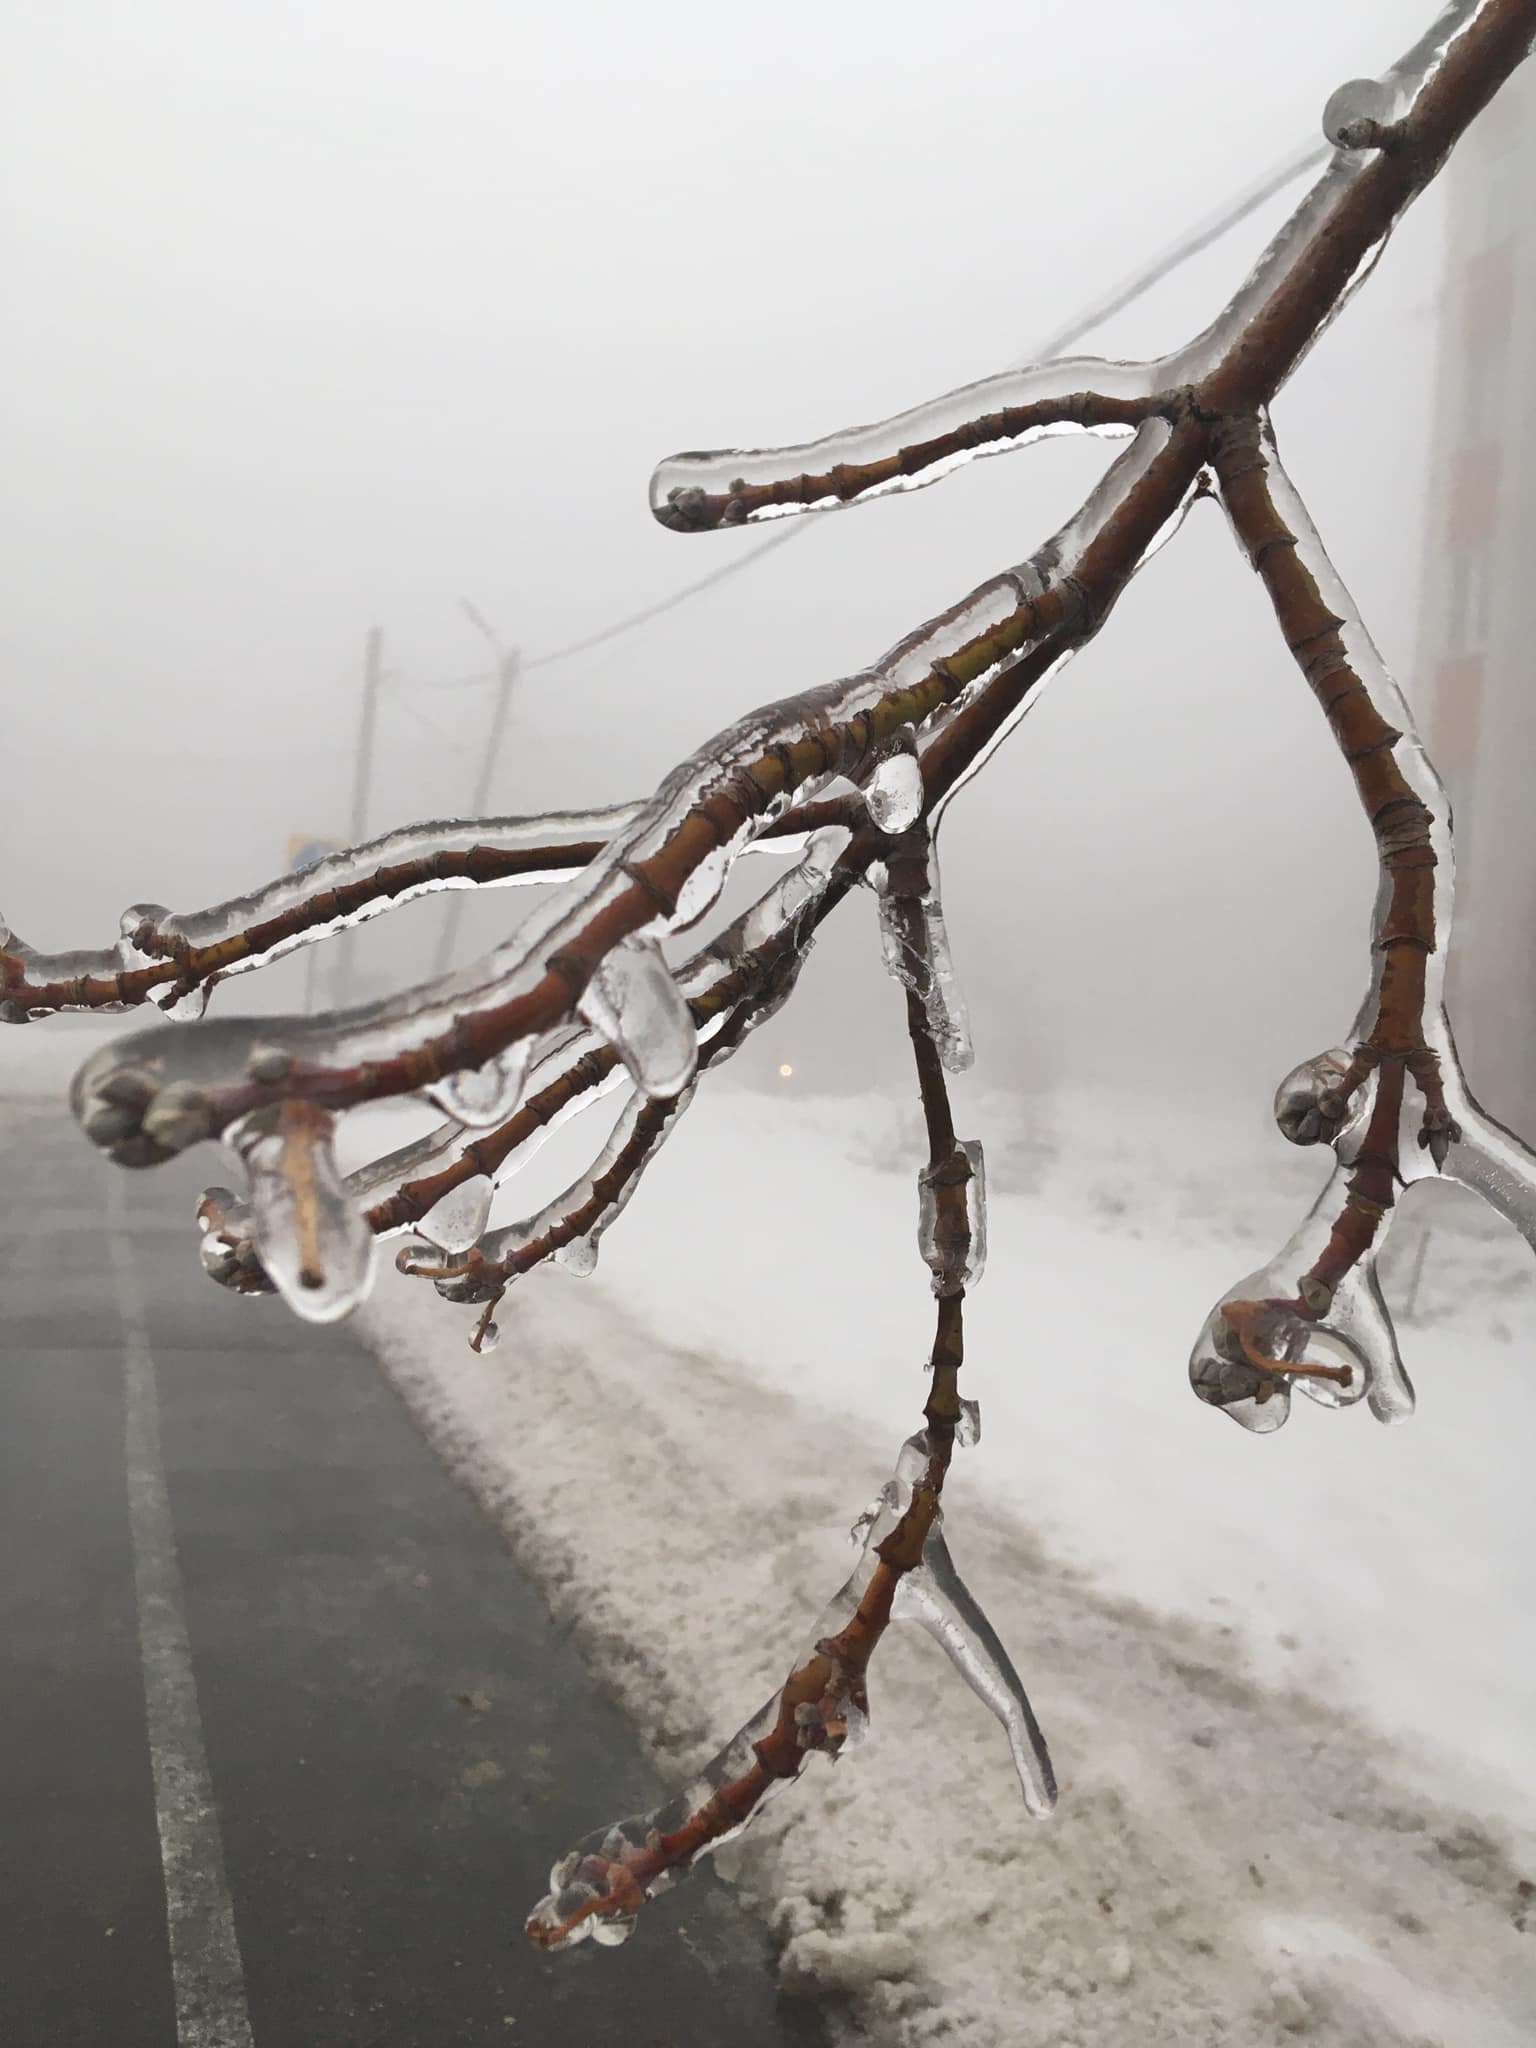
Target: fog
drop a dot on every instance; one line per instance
(322, 317)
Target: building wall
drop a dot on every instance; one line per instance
(1478, 622)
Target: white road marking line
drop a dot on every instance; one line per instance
(208, 1979)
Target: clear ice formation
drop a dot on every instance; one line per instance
(597, 1889)
(938, 1600)
(929, 972)
(733, 487)
(481, 1097)
(893, 795)
(313, 1242)
(634, 1003)
(955, 1260)
(458, 1220)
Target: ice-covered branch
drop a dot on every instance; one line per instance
(443, 1186)
(732, 486)
(1393, 1103)
(904, 1572)
(175, 960)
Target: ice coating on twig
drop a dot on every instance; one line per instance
(1312, 221)
(733, 487)
(635, 1004)
(596, 1891)
(157, 950)
(929, 969)
(557, 1062)
(574, 1222)
(312, 1242)
(954, 1254)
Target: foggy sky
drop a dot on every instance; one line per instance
(325, 315)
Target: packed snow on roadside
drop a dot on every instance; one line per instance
(1288, 1682)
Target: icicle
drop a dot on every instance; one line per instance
(482, 1097)
(458, 1220)
(956, 1261)
(634, 1002)
(938, 1600)
(311, 1240)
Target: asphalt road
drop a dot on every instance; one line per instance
(286, 1742)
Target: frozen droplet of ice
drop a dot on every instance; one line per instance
(578, 1255)
(635, 1004)
(458, 1219)
(1359, 113)
(893, 795)
(489, 1337)
(480, 1097)
(312, 1240)
(968, 1428)
(1309, 1104)
(130, 954)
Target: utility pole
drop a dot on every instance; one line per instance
(362, 785)
(508, 663)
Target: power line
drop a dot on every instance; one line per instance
(665, 604)
(1124, 294)
(1189, 245)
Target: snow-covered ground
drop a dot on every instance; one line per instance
(1289, 1682)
